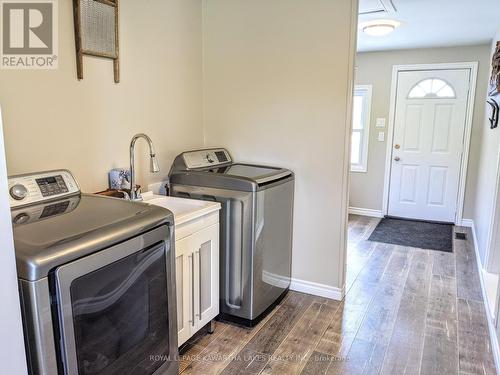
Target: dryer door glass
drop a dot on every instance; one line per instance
(120, 315)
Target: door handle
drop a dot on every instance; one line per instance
(191, 257)
(231, 300)
(397, 158)
(199, 282)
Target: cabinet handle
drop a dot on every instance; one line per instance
(199, 281)
(191, 257)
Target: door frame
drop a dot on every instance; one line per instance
(12, 348)
(491, 258)
(396, 69)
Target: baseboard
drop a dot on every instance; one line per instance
(316, 289)
(279, 281)
(495, 348)
(467, 223)
(365, 212)
(494, 344)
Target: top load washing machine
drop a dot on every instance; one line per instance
(96, 279)
(256, 227)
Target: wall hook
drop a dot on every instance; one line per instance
(496, 112)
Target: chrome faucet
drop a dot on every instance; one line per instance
(135, 194)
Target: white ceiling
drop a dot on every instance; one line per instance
(430, 23)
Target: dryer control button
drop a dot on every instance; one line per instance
(21, 218)
(18, 192)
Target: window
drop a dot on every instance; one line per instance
(434, 88)
(360, 128)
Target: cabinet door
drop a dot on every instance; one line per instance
(206, 249)
(184, 287)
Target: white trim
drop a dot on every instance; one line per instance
(474, 239)
(366, 91)
(341, 262)
(316, 289)
(389, 6)
(495, 347)
(492, 235)
(390, 138)
(472, 66)
(12, 349)
(468, 223)
(276, 280)
(490, 281)
(365, 212)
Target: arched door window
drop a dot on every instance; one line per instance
(433, 88)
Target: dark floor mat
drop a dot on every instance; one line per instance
(431, 236)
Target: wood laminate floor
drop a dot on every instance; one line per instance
(406, 311)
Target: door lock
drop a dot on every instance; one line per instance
(397, 147)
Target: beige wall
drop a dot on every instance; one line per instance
(375, 68)
(277, 82)
(487, 174)
(53, 121)
(277, 90)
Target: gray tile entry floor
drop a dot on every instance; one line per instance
(423, 235)
(406, 311)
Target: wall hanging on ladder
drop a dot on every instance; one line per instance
(96, 32)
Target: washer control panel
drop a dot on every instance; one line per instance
(35, 188)
(206, 158)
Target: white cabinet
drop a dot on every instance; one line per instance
(196, 260)
(197, 284)
(183, 287)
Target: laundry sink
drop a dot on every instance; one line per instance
(184, 210)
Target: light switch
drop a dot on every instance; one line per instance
(380, 122)
(381, 136)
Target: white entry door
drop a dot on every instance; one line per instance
(430, 117)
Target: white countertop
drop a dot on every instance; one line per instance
(184, 210)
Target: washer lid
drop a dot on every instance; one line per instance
(259, 174)
(241, 177)
(51, 234)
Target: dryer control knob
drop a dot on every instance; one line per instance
(21, 219)
(18, 192)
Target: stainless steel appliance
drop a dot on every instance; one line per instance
(96, 279)
(256, 227)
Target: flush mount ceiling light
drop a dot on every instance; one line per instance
(379, 27)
